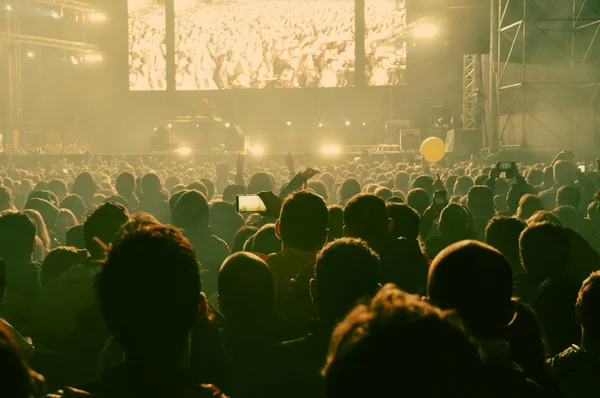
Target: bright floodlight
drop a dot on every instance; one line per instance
(169, 125)
(331, 150)
(320, 124)
(55, 15)
(227, 124)
(184, 150)
(425, 30)
(155, 128)
(257, 150)
(93, 57)
(30, 54)
(288, 123)
(347, 123)
(8, 7)
(364, 123)
(74, 60)
(95, 16)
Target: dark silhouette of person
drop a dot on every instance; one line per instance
(241, 236)
(85, 186)
(152, 199)
(402, 262)
(453, 226)
(502, 233)
(480, 201)
(475, 280)
(125, 186)
(349, 188)
(419, 200)
(76, 204)
(429, 354)
(335, 222)
(17, 243)
(266, 241)
(577, 367)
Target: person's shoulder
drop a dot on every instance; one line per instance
(570, 358)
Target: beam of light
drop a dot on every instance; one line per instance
(425, 30)
(184, 150)
(93, 57)
(257, 150)
(288, 123)
(347, 123)
(331, 150)
(96, 16)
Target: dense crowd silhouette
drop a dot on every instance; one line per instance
(141, 279)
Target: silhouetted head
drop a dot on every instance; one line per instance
(425, 183)
(545, 251)
(47, 210)
(419, 200)
(365, 217)
(528, 205)
(502, 233)
(430, 355)
(543, 216)
(480, 201)
(59, 260)
(401, 180)
(125, 184)
(266, 240)
(84, 186)
(150, 277)
(568, 196)
(6, 199)
(406, 221)
(241, 236)
(151, 184)
(59, 188)
(104, 223)
(246, 288)
(302, 222)
(232, 191)
(454, 221)
(191, 212)
(335, 222)
(569, 217)
(462, 186)
(347, 272)
(319, 188)
(588, 306)
(349, 188)
(565, 173)
(476, 280)
(17, 237)
(76, 204)
(260, 182)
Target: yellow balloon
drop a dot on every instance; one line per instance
(433, 149)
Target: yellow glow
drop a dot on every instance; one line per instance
(93, 57)
(257, 150)
(184, 151)
(331, 150)
(425, 30)
(96, 16)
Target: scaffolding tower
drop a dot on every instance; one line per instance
(545, 68)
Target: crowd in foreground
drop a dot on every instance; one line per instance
(369, 279)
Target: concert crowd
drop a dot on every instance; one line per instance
(358, 278)
(289, 44)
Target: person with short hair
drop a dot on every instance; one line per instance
(302, 229)
(502, 233)
(475, 280)
(568, 196)
(419, 200)
(126, 186)
(428, 354)
(577, 367)
(152, 199)
(6, 199)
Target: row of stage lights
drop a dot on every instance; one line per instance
(329, 150)
(90, 58)
(347, 123)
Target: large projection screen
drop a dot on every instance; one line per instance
(147, 45)
(385, 42)
(225, 44)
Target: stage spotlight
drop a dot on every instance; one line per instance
(93, 57)
(320, 125)
(288, 123)
(170, 125)
(184, 150)
(74, 60)
(155, 128)
(347, 123)
(364, 124)
(197, 125)
(95, 16)
(227, 125)
(425, 30)
(8, 7)
(55, 15)
(30, 54)
(257, 150)
(331, 150)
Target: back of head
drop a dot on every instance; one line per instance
(266, 240)
(502, 233)
(150, 277)
(76, 204)
(429, 355)
(17, 237)
(365, 217)
(454, 221)
(59, 260)
(569, 217)
(210, 188)
(84, 186)
(231, 191)
(418, 199)
(303, 221)
(544, 251)
(103, 223)
(47, 210)
(480, 200)
(401, 180)
(260, 182)
(125, 183)
(346, 272)
(198, 186)
(384, 193)
(528, 205)
(543, 216)
(349, 188)
(6, 199)
(246, 288)
(191, 211)
(335, 222)
(565, 173)
(74, 237)
(151, 184)
(406, 221)
(58, 187)
(568, 196)
(241, 236)
(588, 306)
(425, 183)
(319, 188)
(462, 186)
(476, 280)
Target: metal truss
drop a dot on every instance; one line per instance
(523, 86)
(15, 75)
(470, 97)
(383, 148)
(47, 42)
